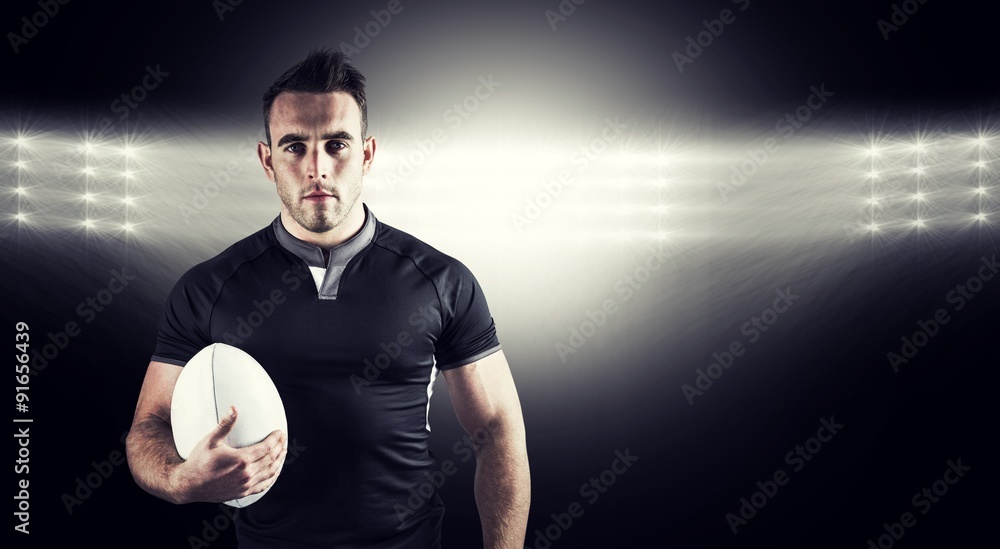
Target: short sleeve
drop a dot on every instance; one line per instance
(184, 326)
(468, 331)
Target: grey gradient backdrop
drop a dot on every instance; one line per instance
(865, 209)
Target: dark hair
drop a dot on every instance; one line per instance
(322, 71)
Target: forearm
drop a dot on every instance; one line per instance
(503, 489)
(153, 458)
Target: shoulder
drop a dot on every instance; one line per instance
(435, 264)
(213, 273)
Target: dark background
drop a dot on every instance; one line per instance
(828, 357)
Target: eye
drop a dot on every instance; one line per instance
(295, 148)
(335, 146)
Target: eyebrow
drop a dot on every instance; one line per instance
(293, 137)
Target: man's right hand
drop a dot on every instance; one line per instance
(216, 472)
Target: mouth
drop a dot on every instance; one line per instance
(318, 197)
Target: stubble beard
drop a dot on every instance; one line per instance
(316, 218)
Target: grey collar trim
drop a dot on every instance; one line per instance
(340, 255)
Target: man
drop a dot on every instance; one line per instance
(359, 318)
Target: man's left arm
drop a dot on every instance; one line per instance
(487, 406)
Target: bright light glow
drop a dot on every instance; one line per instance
(88, 223)
(21, 217)
(654, 202)
(20, 141)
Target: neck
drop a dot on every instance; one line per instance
(336, 236)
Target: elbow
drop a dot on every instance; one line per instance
(150, 471)
(131, 458)
(500, 433)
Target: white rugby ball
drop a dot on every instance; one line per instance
(217, 377)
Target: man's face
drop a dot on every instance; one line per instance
(317, 159)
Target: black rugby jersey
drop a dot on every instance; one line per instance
(353, 345)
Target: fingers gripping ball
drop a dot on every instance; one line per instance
(218, 377)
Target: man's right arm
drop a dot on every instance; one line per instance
(215, 471)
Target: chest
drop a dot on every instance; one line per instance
(383, 326)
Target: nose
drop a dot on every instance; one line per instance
(320, 166)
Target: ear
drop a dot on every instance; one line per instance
(369, 154)
(264, 155)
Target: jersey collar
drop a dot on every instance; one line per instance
(340, 254)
